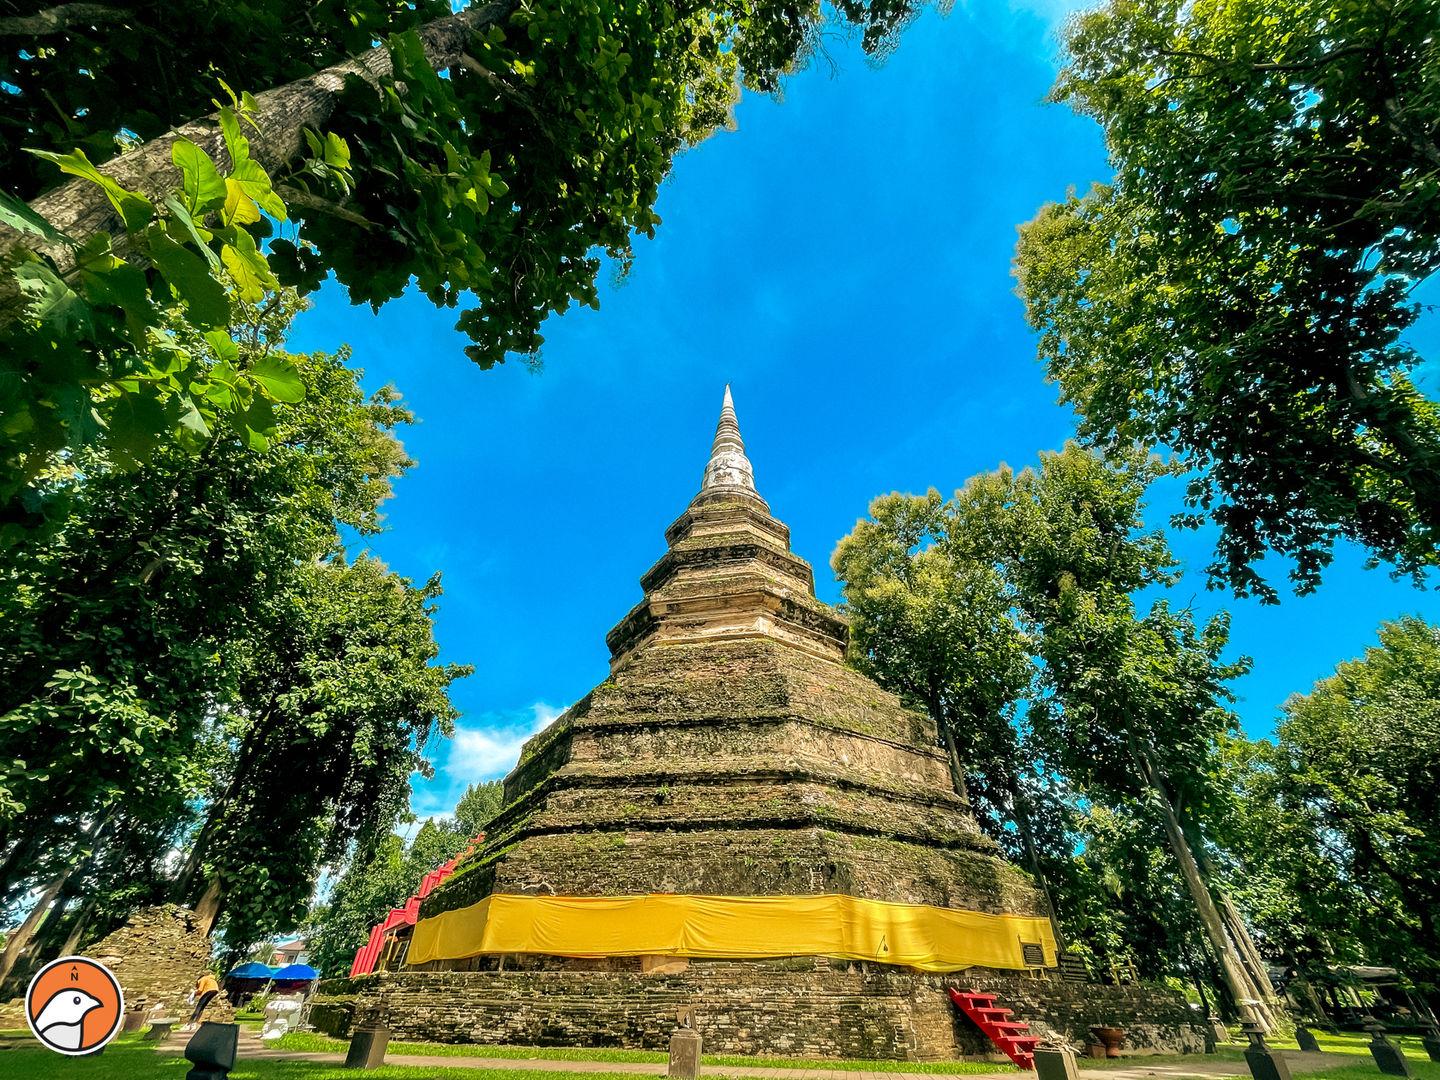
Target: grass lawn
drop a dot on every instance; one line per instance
(1356, 1044)
(309, 1041)
(130, 1058)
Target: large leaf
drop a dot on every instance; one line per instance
(20, 217)
(136, 422)
(254, 181)
(224, 345)
(181, 216)
(203, 188)
(188, 274)
(52, 301)
(280, 379)
(133, 207)
(247, 267)
(239, 209)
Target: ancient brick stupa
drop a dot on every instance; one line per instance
(733, 819)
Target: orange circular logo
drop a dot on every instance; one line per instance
(74, 1005)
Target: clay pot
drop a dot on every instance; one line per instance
(1111, 1037)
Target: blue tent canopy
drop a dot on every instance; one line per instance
(296, 973)
(252, 971)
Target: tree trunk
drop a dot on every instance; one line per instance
(57, 896)
(1259, 973)
(952, 753)
(957, 774)
(1032, 856)
(1239, 932)
(17, 941)
(24, 846)
(207, 908)
(1246, 996)
(77, 927)
(79, 208)
(58, 19)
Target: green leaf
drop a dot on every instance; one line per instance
(133, 208)
(240, 209)
(235, 143)
(180, 214)
(337, 151)
(203, 188)
(191, 417)
(254, 181)
(123, 286)
(52, 301)
(225, 348)
(280, 379)
(21, 218)
(188, 274)
(248, 267)
(136, 422)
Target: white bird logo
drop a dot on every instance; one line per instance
(61, 1022)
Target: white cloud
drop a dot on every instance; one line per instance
(484, 749)
(484, 753)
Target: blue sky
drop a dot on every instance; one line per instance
(843, 259)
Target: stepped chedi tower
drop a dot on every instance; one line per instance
(733, 820)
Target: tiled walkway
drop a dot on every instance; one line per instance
(1201, 1068)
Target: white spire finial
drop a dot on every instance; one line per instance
(728, 467)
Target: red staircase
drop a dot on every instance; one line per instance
(1009, 1035)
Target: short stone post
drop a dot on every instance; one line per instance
(1265, 1063)
(367, 1047)
(1389, 1058)
(1055, 1061)
(1431, 1041)
(685, 1047)
(1218, 1031)
(1305, 1038)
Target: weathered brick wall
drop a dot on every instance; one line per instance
(799, 1007)
(158, 956)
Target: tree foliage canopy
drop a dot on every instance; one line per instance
(1010, 613)
(932, 621)
(492, 156)
(1337, 819)
(191, 646)
(1242, 290)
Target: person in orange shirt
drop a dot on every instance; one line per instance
(205, 991)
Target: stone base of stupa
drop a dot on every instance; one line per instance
(802, 1007)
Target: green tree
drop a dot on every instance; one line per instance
(334, 708)
(1355, 770)
(1127, 708)
(1132, 706)
(1242, 289)
(480, 803)
(1288, 873)
(370, 887)
(933, 622)
(134, 639)
(362, 894)
(490, 154)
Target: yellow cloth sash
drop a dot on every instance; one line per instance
(731, 927)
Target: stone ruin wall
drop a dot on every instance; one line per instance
(159, 956)
(797, 1007)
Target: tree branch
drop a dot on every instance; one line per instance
(80, 208)
(294, 196)
(506, 91)
(57, 19)
(1220, 61)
